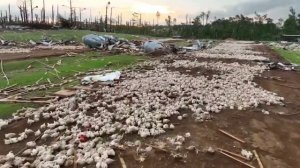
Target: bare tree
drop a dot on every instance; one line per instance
(202, 15)
(9, 14)
(207, 16)
(157, 16)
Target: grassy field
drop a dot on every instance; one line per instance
(291, 56)
(6, 110)
(63, 34)
(17, 73)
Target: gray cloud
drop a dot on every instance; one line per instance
(263, 6)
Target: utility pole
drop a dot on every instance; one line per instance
(9, 14)
(80, 15)
(108, 3)
(25, 12)
(74, 17)
(118, 19)
(140, 19)
(110, 19)
(52, 14)
(44, 12)
(31, 11)
(57, 10)
(91, 18)
(6, 17)
(121, 20)
(71, 11)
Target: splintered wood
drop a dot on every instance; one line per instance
(122, 162)
(232, 136)
(65, 93)
(258, 159)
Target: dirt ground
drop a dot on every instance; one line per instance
(275, 137)
(39, 53)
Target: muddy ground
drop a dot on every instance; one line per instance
(275, 137)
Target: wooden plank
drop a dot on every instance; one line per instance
(231, 136)
(258, 159)
(23, 101)
(65, 93)
(231, 157)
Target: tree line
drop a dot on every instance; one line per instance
(239, 27)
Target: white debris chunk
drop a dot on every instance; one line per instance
(247, 154)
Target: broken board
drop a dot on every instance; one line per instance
(65, 93)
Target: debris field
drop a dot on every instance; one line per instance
(147, 102)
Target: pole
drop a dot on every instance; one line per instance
(121, 20)
(74, 17)
(80, 15)
(6, 16)
(52, 14)
(25, 12)
(44, 12)
(118, 19)
(71, 11)
(9, 14)
(106, 18)
(91, 18)
(140, 19)
(110, 19)
(31, 10)
(57, 11)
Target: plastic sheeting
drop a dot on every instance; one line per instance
(152, 46)
(96, 41)
(102, 78)
(197, 45)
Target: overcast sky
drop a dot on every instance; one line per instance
(175, 8)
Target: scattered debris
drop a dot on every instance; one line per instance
(286, 45)
(234, 154)
(247, 154)
(210, 150)
(101, 78)
(231, 157)
(197, 45)
(265, 112)
(142, 105)
(283, 66)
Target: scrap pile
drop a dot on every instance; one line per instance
(109, 42)
(89, 126)
(150, 47)
(286, 45)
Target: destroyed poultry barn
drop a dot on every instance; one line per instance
(90, 126)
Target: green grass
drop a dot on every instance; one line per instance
(63, 34)
(17, 73)
(6, 110)
(291, 56)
